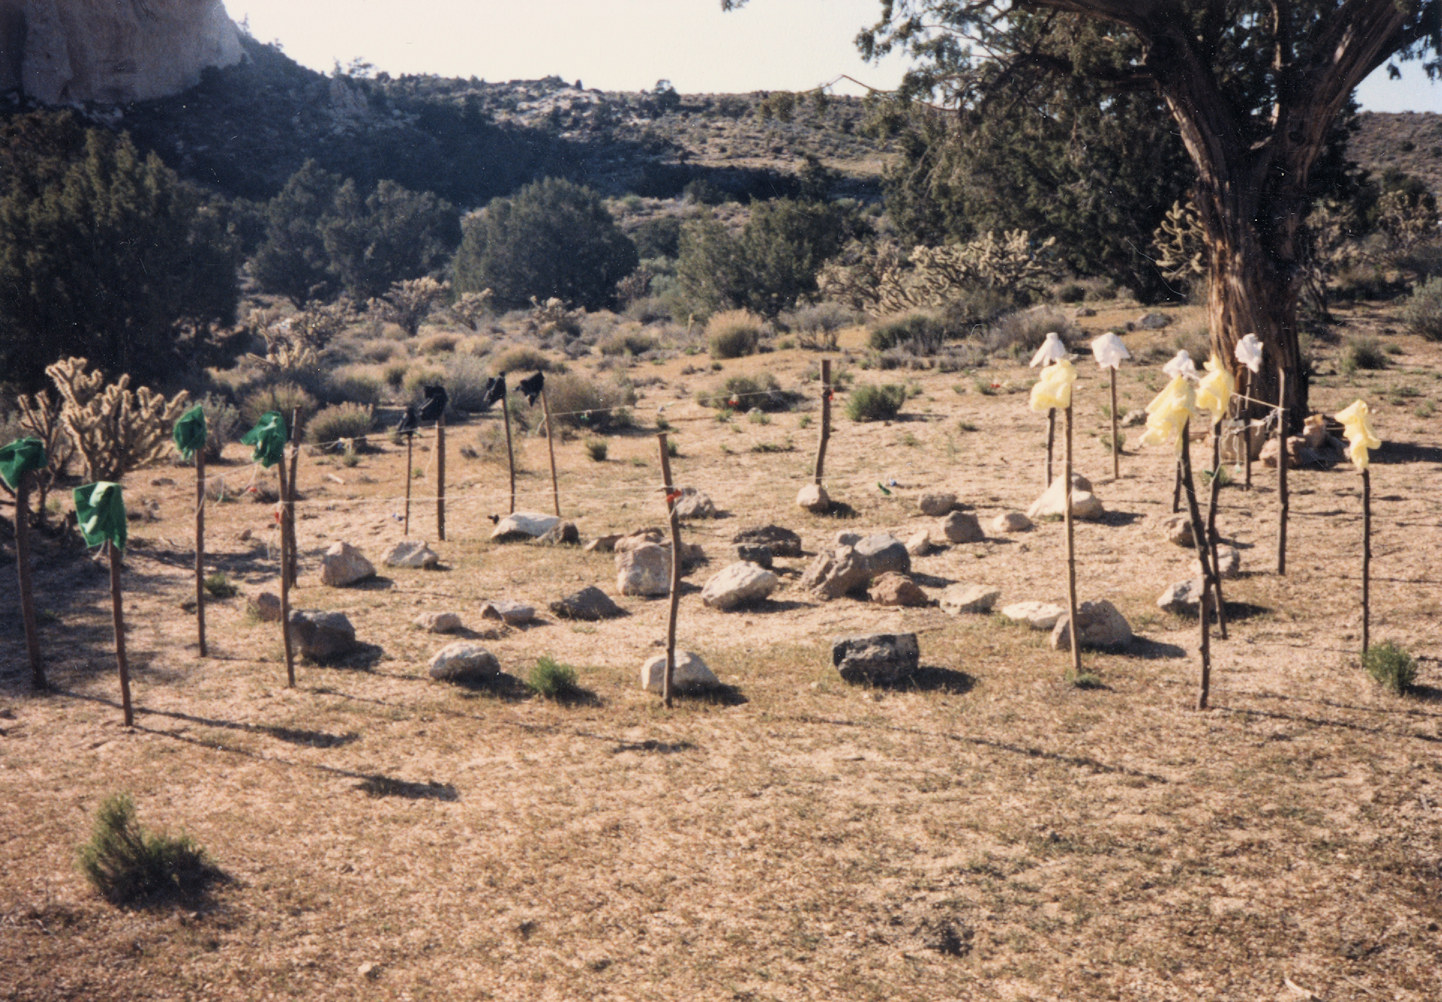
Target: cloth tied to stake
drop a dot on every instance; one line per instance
(532, 386)
(1357, 425)
(495, 392)
(435, 403)
(1053, 349)
(22, 456)
(1181, 365)
(100, 513)
(189, 433)
(408, 423)
(1168, 413)
(268, 438)
(1053, 389)
(1109, 351)
(1249, 352)
(1214, 392)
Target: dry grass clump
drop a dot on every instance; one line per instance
(579, 401)
(438, 344)
(733, 333)
(523, 358)
(286, 398)
(331, 424)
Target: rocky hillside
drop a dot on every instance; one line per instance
(1409, 141)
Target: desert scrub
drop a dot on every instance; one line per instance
(223, 424)
(1363, 353)
(920, 333)
(1021, 333)
(597, 449)
(581, 402)
(438, 344)
(1422, 312)
(875, 402)
(523, 358)
(733, 333)
(745, 393)
(353, 386)
(1390, 666)
(628, 343)
(465, 382)
(339, 421)
(130, 866)
(286, 398)
(551, 679)
(218, 585)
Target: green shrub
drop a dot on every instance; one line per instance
(1422, 312)
(418, 377)
(394, 373)
(628, 343)
(597, 448)
(581, 402)
(351, 386)
(1363, 353)
(130, 866)
(733, 333)
(339, 421)
(917, 332)
(219, 586)
(1070, 292)
(287, 398)
(465, 381)
(1391, 666)
(1021, 333)
(522, 358)
(761, 392)
(875, 402)
(553, 680)
(223, 424)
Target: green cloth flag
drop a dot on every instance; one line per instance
(268, 437)
(190, 432)
(24, 455)
(100, 510)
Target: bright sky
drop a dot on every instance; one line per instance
(626, 44)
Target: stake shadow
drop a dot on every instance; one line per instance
(289, 735)
(1323, 722)
(1118, 518)
(651, 745)
(716, 695)
(932, 678)
(364, 657)
(1393, 453)
(1146, 649)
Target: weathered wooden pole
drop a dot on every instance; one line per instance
(118, 616)
(1212, 530)
(1071, 555)
(200, 548)
(1246, 383)
(1050, 438)
(1177, 490)
(22, 569)
(675, 571)
(551, 448)
(287, 493)
(441, 477)
(825, 418)
(1116, 443)
(1366, 557)
(1204, 556)
(1283, 501)
(410, 473)
(510, 454)
(285, 577)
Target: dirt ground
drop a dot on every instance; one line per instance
(990, 832)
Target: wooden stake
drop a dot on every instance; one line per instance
(551, 447)
(510, 455)
(825, 418)
(1283, 501)
(118, 615)
(1203, 555)
(1050, 438)
(441, 478)
(1216, 583)
(1177, 490)
(1071, 556)
(1116, 445)
(410, 443)
(22, 570)
(285, 580)
(1366, 556)
(1246, 434)
(675, 572)
(200, 548)
(288, 492)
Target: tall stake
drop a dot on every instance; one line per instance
(285, 577)
(1050, 438)
(825, 418)
(118, 615)
(1177, 490)
(551, 448)
(1204, 556)
(200, 547)
(288, 492)
(675, 571)
(1212, 530)
(510, 456)
(1246, 431)
(1071, 555)
(1116, 443)
(410, 442)
(441, 478)
(1366, 556)
(22, 570)
(1282, 498)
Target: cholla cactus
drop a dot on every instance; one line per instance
(294, 344)
(471, 307)
(552, 316)
(40, 416)
(408, 303)
(114, 429)
(1011, 261)
(1181, 244)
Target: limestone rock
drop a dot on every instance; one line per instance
(522, 525)
(836, 572)
(739, 584)
(1010, 522)
(603, 544)
(1177, 529)
(438, 622)
(1052, 503)
(1183, 598)
(589, 604)
(694, 504)
(963, 598)
(1098, 624)
(1037, 615)
(411, 553)
(641, 537)
(644, 571)
(896, 589)
(508, 612)
(918, 544)
(782, 542)
(560, 534)
(689, 674)
(1229, 562)
(322, 635)
(936, 503)
(883, 658)
(962, 527)
(264, 606)
(1297, 452)
(884, 552)
(342, 565)
(813, 498)
(1153, 321)
(464, 661)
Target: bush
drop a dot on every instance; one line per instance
(223, 424)
(579, 402)
(130, 866)
(1391, 666)
(875, 402)
(465, 382)
(762, 392)
(817, 326)
(218, 585)
(287, 398)
(418, 378)
(628, 343)
(916, 332)
(733, 333)
(597, 448)
(1363, 353)
(438, 344)
(1070, 292)
(1422, 312)
(553, 680)
(1021, 333)
(522, 358)
(351, 386)
(339, 421)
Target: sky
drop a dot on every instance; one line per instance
(628, 44)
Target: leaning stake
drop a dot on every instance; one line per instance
(1071, 553)
(671, 496)
(1282, 458)
(18, 461)
(551, 448)
(825, 418)
(1357, 422)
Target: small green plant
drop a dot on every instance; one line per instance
(875, 402)
(1224, 477)
(219, 586)
(804, 421)
(909, 440)
(597, 448)
(553, 680)
(1083, 679)
(758, 417)
(1391, 666)
(130, 866)
(672, 449)
(1363, 353)
(662, 424)
(965, 425)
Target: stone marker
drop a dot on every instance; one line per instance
(962, 527)
(936, 503)
(1177, 529)
(644, 571)
(590, 604)
(322, 636)
(918, 544)
(438, 622)
(965, 598)
(813, 498)
(264, 606)
(694, 504)
(758, 555)
(690, 674)
(1183, 598)
(1052, 504)
(881, 658)
(343, 565)
(522, 525)
(896, 589)
(560, 534)
(782, 542)
(1098, 624)
(1009, 522)
(464, 661)
(510, 613)
(739, 584)
(415, 553)
(1037, 615)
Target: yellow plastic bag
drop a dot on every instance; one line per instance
(1053, 389)
(1214, 393)
(1357, 424)
(1168, 413)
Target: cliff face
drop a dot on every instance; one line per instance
(112, 51)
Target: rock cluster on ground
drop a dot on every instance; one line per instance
(845, 569)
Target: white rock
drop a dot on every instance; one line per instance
(522, 524)
(410, 553)
(740, 583)
(918, 544)
(689, 674)
(694, 504)
(1229, 562)
(1009, 522)
(962, 598)
(936, 503)
(645, 570)
(813, 498)
(1037, 615)
(438, 622)
(1099, 625)
(1183, 598)
(1052, 503)
(342, 565)
(510, 613)
(463, 661)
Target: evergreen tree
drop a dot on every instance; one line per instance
(292, 260)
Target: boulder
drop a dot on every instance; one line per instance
(962, 527)
(1037, 615)
(741, 583)
(589, 604)
(561, 534)
(603, 544)
(884, 552)
(688, 674)
(1177, 529)
(964, 598)
(896, 589)
(918, 544)
(758, 555)
(1183, 598)
(438, 622)
(780, 541)
(464, 661)
(411, 553)
(644, 571)
(693, 504)
(343, 565)
(1010, 522)
(1234, 439)
(322, 635)
(881, 658)
(1229, 562)
(522, 525)
(1098, 624)
(936, 503)
(510, 613)
(1153, 321)
(264, 606)
(836, 572)
(813, 498)
(641, 537)
(1052, 503)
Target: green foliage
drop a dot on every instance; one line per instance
(523, 358)
(552, 238)
(874, 402)
(659, 236)
(1422, 312)
(553, 680)
(732, 334)
(745, 393)
(597, 449)
(286, 398)
(348, 420)
(1363, 353)
(581, 402)
(218, 585)
(1391, 666)
(130, 866)
(105, 254)
(918, 332)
